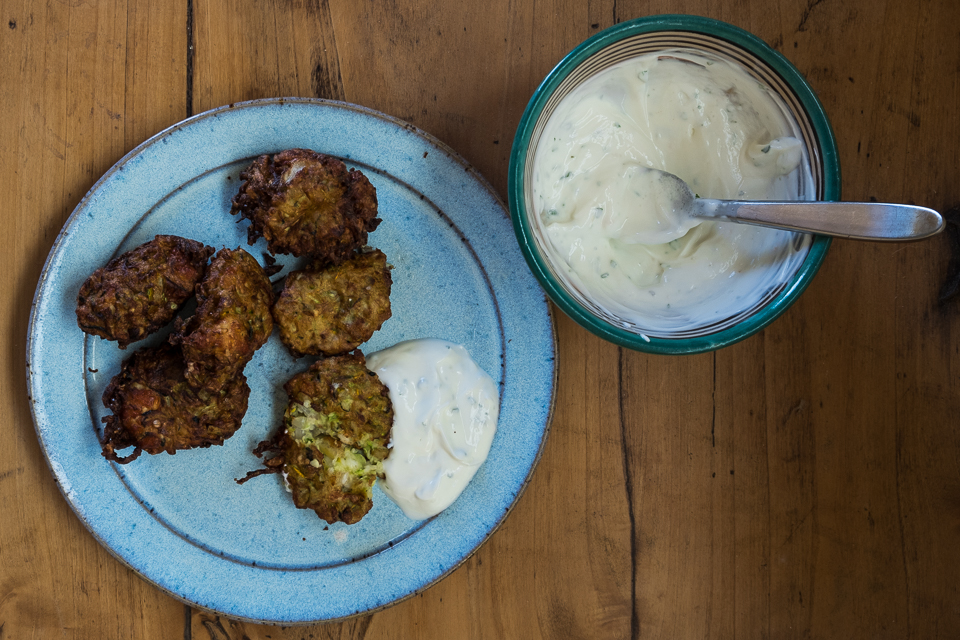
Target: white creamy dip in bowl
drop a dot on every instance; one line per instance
(698, 98)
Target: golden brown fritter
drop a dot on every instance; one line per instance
(140, 291)
(307, 204)
(333, 310)
(232, 320)
(155, 409)
(334, 438)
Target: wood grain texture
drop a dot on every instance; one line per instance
(250, 50)
(804, 483)
(76, 99)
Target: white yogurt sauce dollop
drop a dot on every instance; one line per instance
(445, 415)
(704, 120)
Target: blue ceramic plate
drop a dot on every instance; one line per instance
(181, 521)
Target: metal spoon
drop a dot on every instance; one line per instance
(856, 220)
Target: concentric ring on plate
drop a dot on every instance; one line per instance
(458, 276)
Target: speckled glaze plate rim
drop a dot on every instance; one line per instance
(218, 583)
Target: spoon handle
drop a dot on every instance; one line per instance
(858, 220)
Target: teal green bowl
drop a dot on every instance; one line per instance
(644, 36)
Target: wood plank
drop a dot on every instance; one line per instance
(742, 487)
(668, 415)
(926, 443)
(246, 51)
(583, 518)
(858, 559)
(78, 102)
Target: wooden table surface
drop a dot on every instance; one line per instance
(804, 483)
